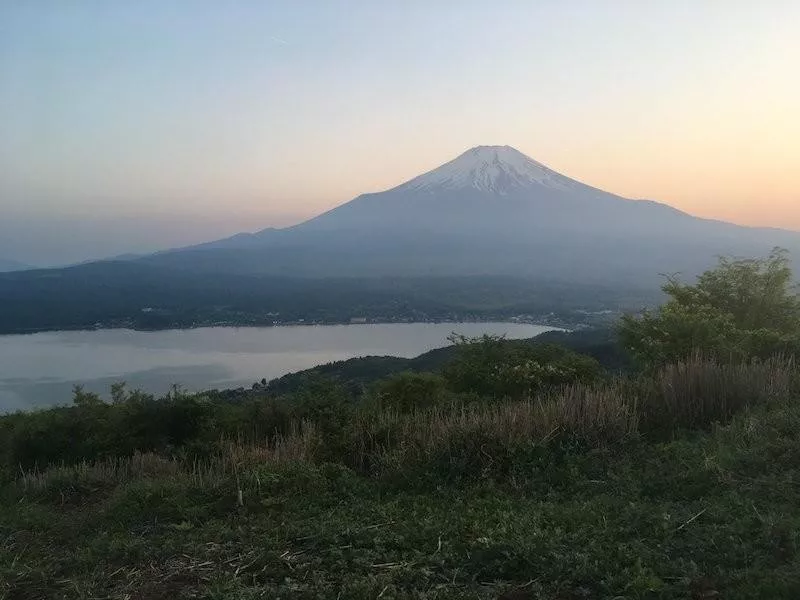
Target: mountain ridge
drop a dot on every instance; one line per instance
(491, 210)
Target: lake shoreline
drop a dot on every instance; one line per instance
(40, 369)
(561, 326)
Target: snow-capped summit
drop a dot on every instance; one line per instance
(495, 169)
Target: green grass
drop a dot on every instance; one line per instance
(712, 514)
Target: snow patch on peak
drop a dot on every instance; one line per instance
(495, 169)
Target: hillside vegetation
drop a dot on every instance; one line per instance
(511, 470)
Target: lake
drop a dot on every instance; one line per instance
(39, 370)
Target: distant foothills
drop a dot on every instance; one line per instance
(130, 295)
(492, 234)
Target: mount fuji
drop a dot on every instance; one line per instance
(490, 211)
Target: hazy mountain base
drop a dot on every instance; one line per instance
(622, 257)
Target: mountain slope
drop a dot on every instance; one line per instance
(7, 266)
(490, 211)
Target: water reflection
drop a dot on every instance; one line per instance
(40, 370)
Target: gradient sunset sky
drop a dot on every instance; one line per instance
(132, 126)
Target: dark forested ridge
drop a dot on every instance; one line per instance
(142, 296)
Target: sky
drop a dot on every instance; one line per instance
(134, 126)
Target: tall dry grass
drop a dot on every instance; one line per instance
(234, 456)
(480, 435)
(297, 445)
(594, 412)
(108, 470)
(693, 393)
(700, 391)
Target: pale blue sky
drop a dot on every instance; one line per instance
(127, 126)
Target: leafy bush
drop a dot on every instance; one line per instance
(495, 367)
(741, 309)
(407, 391)
(179, 424)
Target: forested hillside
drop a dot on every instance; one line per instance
(140, 296)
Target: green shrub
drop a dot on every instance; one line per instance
(407, 391)
(495, 367)
(741, 309)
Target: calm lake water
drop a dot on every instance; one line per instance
(40, 369)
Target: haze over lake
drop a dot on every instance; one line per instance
(40, 369)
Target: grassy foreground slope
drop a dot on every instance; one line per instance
(483, 505)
